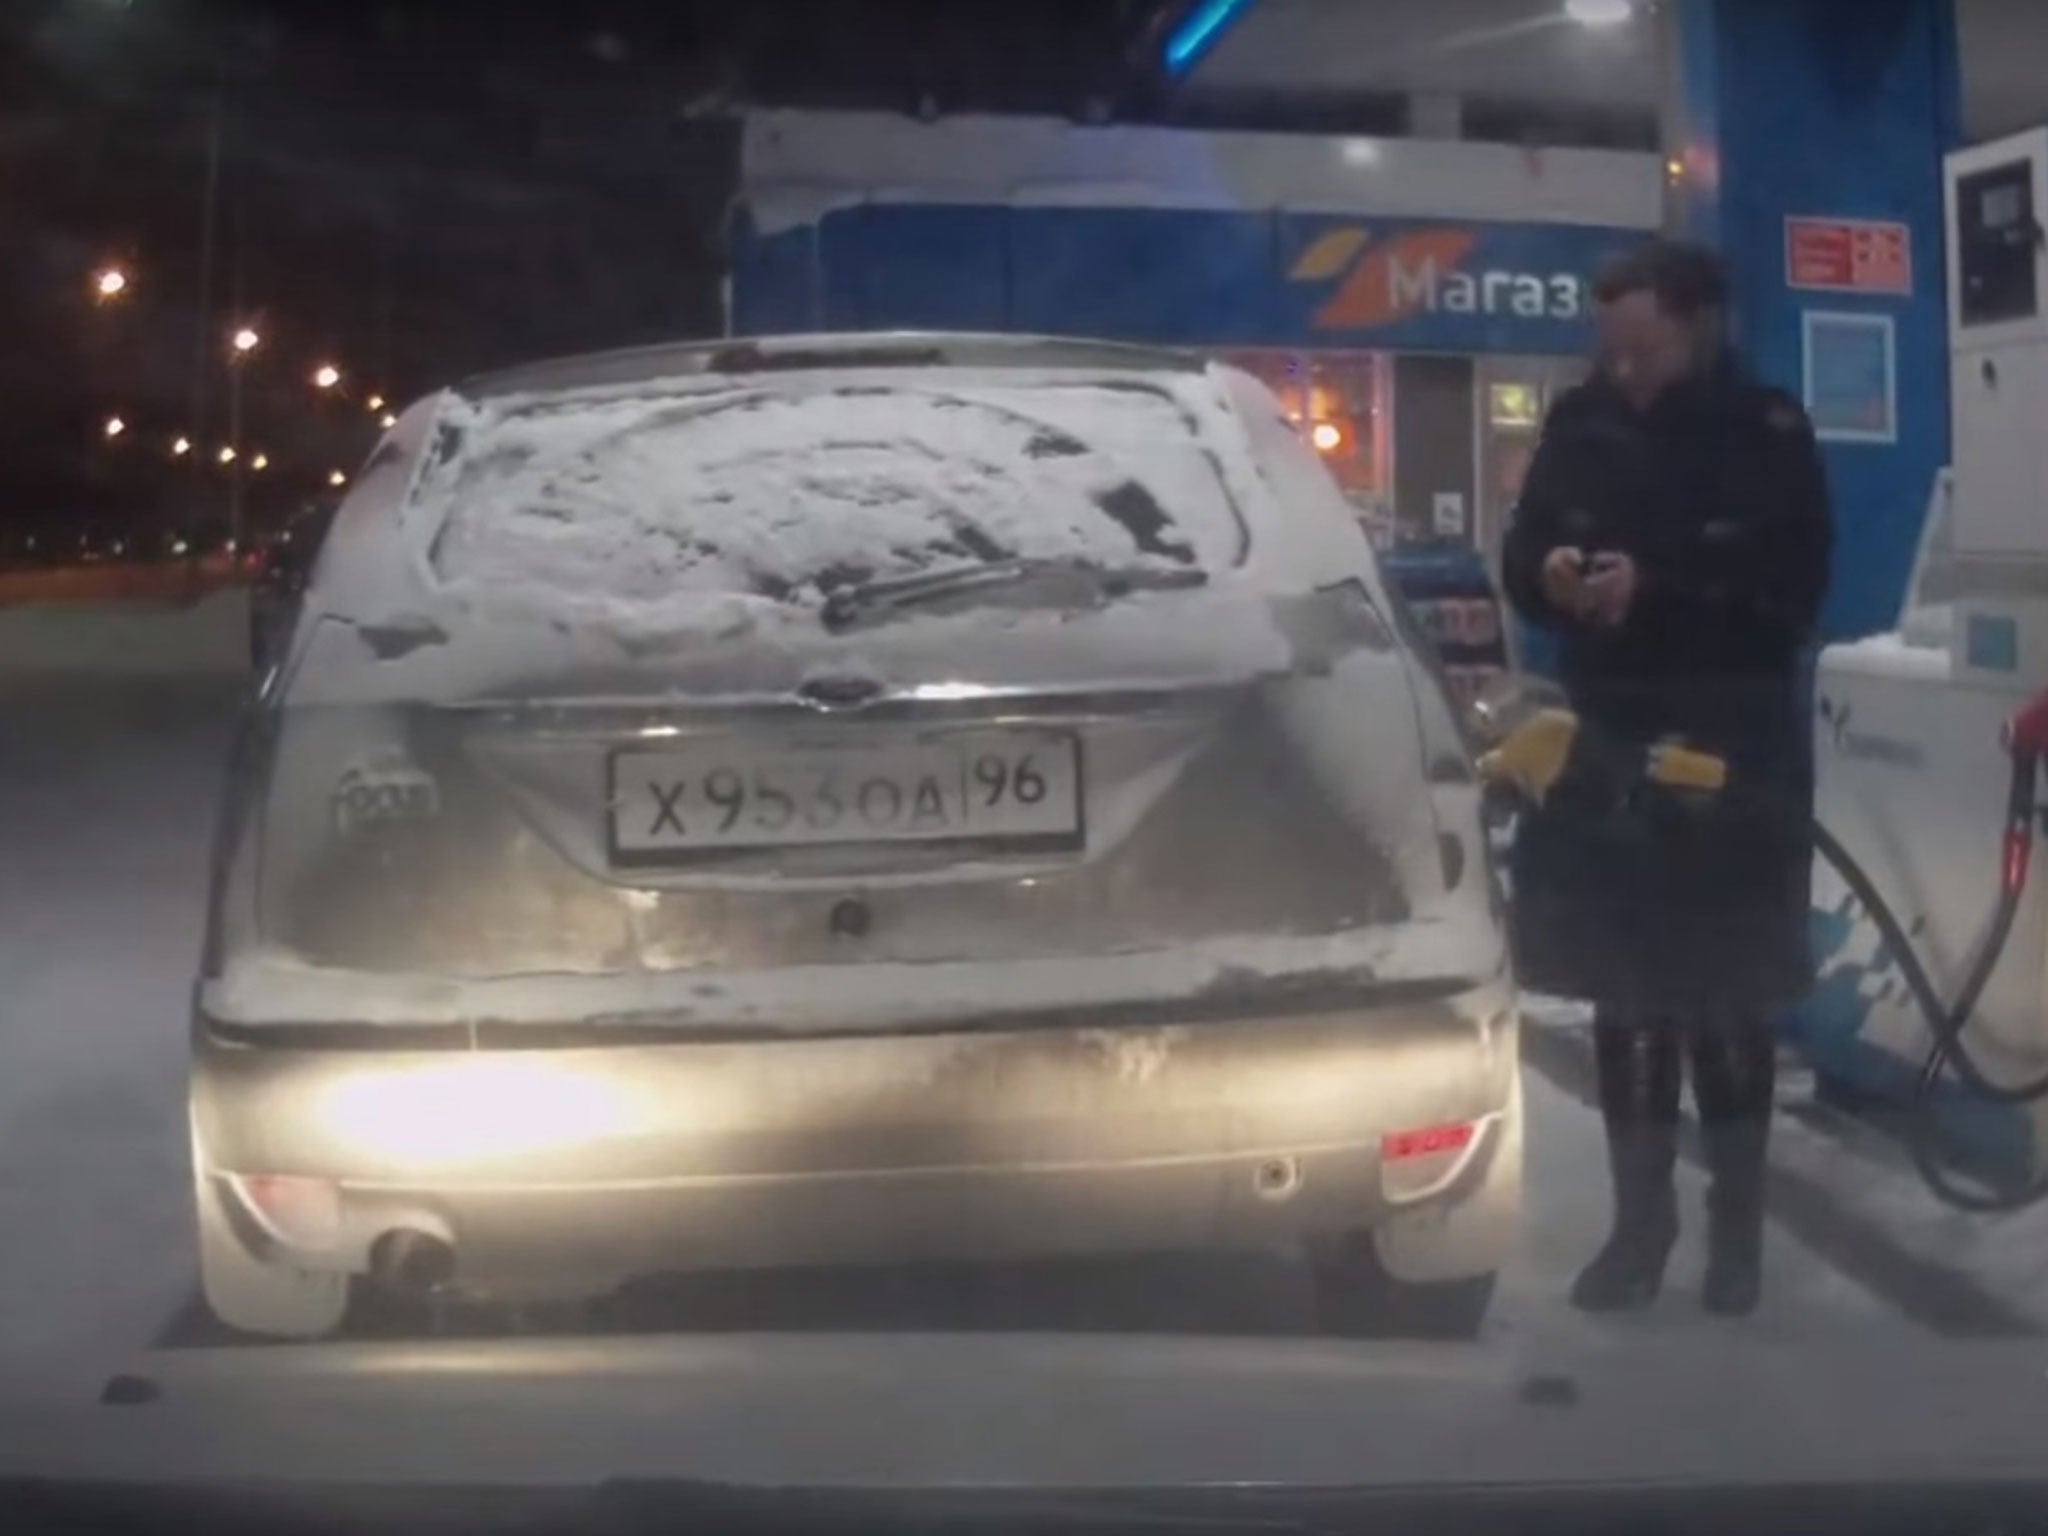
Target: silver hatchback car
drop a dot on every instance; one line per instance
(840, 801)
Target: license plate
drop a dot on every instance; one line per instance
(1007, 789)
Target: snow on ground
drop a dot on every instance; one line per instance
(105, 809)
(1566, 1220)
(2006, 1254)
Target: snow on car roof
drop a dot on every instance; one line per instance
(631, 508)
(773, 354)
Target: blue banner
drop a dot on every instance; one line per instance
(1184, 277)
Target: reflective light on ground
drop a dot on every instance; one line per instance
(1599, 13)
(944, 693)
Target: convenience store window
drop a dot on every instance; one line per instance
(1514, 395)
(1432, 450)
(1340, 402)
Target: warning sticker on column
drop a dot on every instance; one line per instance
(1849, 255)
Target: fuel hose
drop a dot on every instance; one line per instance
(1532, 757)
(1949, 1023)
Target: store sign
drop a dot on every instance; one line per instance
(1188, 277)
(1470, 287)
(1849, 256)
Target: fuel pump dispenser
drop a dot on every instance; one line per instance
(1928, 741)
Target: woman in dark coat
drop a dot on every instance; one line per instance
(1674, 533)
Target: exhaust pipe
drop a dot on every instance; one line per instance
(412, 1262)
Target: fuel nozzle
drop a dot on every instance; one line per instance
(2026, 733)
(1532, 757)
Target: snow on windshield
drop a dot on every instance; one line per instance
(631, 513)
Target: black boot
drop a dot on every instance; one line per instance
(1734, 1065)
(1639, 1079)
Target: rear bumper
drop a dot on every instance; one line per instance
(568, 1171)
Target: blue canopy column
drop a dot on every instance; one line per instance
(1806, 141)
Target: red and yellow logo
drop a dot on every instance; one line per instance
(1421, 272)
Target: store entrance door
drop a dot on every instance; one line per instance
(1514, 395)
(1433, 434)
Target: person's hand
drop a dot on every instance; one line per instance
(1564, 580)
(1609, 591)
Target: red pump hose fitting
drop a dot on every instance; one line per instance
(2026, 742)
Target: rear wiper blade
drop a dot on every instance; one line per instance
(847, 606)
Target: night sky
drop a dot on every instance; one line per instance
(409, 191)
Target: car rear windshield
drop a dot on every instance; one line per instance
(789, 490)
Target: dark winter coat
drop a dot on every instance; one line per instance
(1637, 897)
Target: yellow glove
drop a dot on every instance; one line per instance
(1534, 755)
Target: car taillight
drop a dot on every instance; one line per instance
(1415, 1164)
(1399, 1146)
(299, 1212)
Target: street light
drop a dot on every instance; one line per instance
(244, 341)
(109, 283)
(181, 447)
(336, 478)
(387, 421)
(115, 426)
(261, 461)
(326, 376)
(374, 403)
(1327, 436)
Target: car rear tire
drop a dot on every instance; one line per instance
(252, 1296)
(1357, 1298)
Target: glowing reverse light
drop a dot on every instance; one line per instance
(469, 1111)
